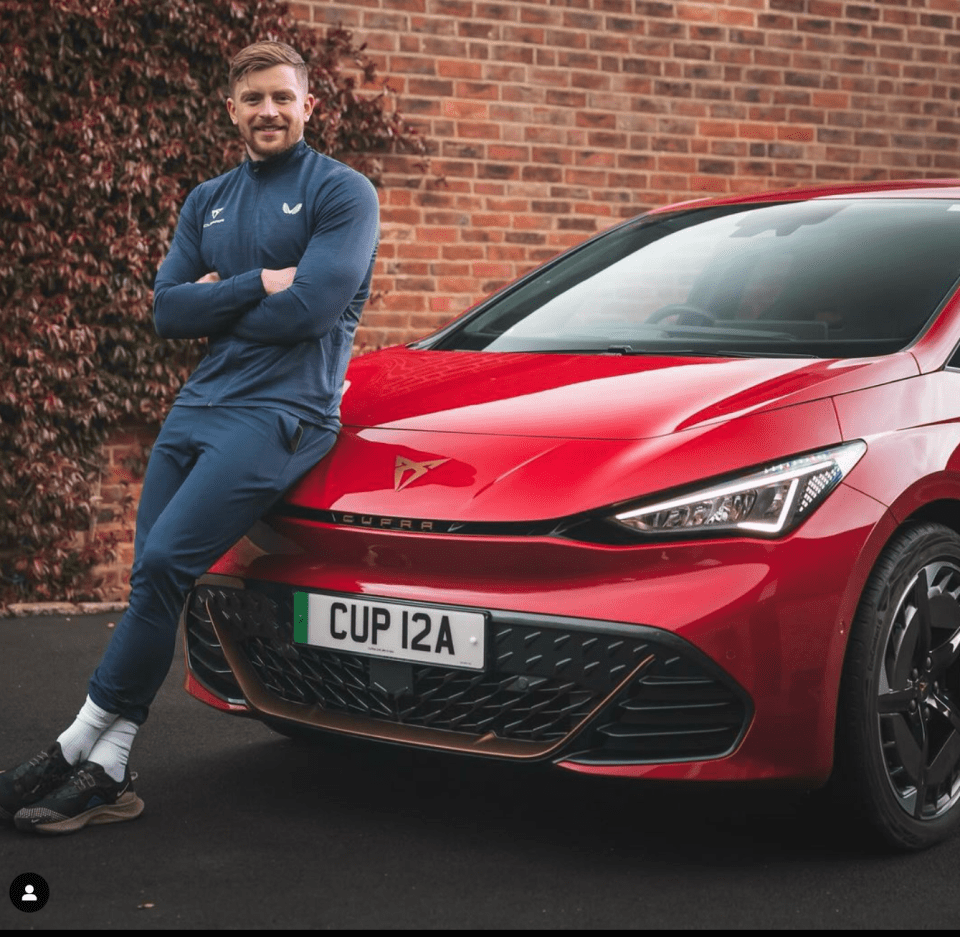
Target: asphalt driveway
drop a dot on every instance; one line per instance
(244, 829)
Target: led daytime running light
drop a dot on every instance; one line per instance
(767, 503)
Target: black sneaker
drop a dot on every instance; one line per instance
(88, 796)
(26, 784)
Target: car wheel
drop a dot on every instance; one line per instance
(898, 751)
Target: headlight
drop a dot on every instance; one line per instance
(767, 503)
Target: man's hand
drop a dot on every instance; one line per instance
(275, 281)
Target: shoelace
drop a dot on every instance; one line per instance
(37, 760)
(34, 762)
(82, 780)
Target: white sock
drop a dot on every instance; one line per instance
(78, 739)
(113, 748)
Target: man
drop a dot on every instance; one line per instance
(271, 263)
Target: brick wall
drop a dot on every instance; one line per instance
(119, 493)
(552, 119)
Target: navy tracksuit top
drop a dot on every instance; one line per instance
(290, 350)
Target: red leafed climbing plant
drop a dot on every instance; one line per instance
(110, 112)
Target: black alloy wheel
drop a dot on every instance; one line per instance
(898, 739)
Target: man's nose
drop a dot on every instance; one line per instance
(269, 108)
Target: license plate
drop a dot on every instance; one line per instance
(422, 634)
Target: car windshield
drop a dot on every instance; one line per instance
(829, 278)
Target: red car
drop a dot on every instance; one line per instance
(683, 503)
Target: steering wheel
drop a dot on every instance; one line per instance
(685, 313)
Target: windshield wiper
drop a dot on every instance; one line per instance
(629, 350)
(765, 354)
(623, 350)
(703, 353)
(665, 352)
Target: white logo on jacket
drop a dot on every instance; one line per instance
(215, 219)
(287, 210)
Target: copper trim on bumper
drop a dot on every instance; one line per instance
(268, 705)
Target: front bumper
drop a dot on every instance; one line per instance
(698, 660)
(584, 692)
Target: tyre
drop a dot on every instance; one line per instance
(898, 730)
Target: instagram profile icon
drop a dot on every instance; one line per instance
(29, 892)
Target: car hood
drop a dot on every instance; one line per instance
(487, 437)
(588, 396)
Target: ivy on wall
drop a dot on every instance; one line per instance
(110, 112)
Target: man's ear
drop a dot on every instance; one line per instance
(232, 110)
(309, 103)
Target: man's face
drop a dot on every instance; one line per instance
(270, 107)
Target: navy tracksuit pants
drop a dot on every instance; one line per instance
(213, 472)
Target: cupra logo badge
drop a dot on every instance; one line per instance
(415, 468)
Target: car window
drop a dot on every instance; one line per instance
(827, 278)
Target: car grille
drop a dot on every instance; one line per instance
(677, 713)
(205, 653)
(547, 680)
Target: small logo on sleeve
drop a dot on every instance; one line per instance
(287, 210)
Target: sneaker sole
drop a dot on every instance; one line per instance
(128, 807)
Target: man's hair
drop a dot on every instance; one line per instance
(266, 54)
